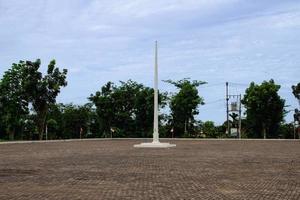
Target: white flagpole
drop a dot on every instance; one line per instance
(155, 125)
(155, 143)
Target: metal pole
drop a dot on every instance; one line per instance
(294, 129)
(240, 117)
(46, 132)
(227, 109)
(298, 128)
(155, 126)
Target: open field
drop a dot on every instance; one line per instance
(113, 169)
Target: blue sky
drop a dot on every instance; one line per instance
(211, 40)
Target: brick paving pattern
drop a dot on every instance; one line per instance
(113, 169)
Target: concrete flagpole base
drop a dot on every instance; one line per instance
(154, 145)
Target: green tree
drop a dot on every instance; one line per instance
(209, 129)
(29, 129)
(184, 105)
(76, 121)
(124, 98)
(144, 112)
(296, 92)
(55, 121)
(52, 129)
(125, 109)
(234, 122)
(286, 131)
(13, 99)
(221, 130)
(105, 109)
(43, 90)
(264, 109)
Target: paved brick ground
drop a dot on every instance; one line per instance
(116, 170)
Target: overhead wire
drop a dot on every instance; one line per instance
(213, 102)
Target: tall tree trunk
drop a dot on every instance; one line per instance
(40, 128)
(41, 120)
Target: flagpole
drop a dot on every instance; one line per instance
(155, 143)
(155, 124)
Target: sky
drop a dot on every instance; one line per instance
(238, 41)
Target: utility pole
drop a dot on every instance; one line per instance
(236, 106)
(294, 129)
(227, 109)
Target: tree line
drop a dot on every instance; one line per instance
(28, 109)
